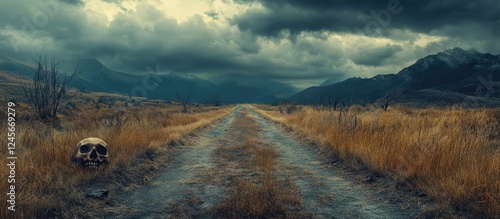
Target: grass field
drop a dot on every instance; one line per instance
(45, 177)
(453, 155)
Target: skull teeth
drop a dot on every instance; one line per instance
(91, 165)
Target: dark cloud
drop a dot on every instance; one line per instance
(375, 56)
(73, 2)
(297, 16)
(272, 22)
(373, 17)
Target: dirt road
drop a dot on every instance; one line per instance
(202, 173)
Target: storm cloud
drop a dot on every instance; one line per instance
(268, 42)
(375, 56)
(351, 16)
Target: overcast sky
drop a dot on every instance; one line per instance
(296, 42)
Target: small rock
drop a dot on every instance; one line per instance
(371, 179)
(335, 161)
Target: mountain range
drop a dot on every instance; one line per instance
(454, 76)
(94, 76)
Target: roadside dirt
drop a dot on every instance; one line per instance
(201, 174)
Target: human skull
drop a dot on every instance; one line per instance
(91, 153)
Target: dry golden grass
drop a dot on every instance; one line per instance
(45, 178)
(452, 154)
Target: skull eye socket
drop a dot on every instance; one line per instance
(101, 149)
(85, 148)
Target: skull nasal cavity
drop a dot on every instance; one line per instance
(93, 154)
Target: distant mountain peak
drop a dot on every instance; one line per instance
(459, 52)
(452, 58)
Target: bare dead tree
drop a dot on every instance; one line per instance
(48, 88)
(185, 102)
(336, 99)
(214, 100)
(385, 103)
(331, 98)
(290, 107)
